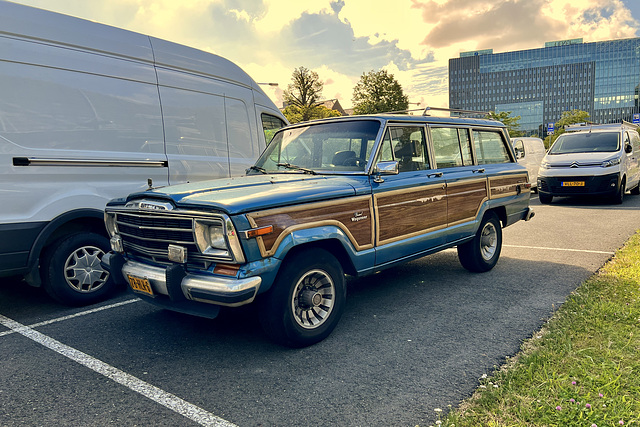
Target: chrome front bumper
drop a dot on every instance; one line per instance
(231, 292)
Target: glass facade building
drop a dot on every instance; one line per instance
(602, 78)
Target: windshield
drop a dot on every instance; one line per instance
(584, 142)
(343, 146)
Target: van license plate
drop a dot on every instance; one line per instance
(140, 285)
(573, 184)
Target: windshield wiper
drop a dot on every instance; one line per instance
(298, 168)
(259, 169)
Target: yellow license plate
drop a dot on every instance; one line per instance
(140, 285)
(573, 184)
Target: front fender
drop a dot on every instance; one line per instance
(362, 260)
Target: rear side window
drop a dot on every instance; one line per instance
(490, 147)
(452, 147)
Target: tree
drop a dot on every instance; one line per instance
(567, 118)
(295, 114)
(303, 95)
(378, 92)
(512, 123)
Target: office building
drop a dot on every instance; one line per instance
(602, 78)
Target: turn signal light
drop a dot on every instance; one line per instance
(259, 231)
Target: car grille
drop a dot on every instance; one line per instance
(148, 236)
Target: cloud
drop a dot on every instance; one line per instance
(341, 39)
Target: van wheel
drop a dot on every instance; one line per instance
(545, 198)
(618, 198)
(306, 300)
(482, 253)
(71, 270)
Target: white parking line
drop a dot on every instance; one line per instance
(71, 316)
(559, 249)
(154, 393)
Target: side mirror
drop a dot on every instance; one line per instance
(628, 148)
(385, 168)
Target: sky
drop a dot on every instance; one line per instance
(342, 39)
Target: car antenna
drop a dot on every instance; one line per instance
(150, 183)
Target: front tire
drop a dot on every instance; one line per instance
(481, 254)
(618, 198)
(71, 270)
(306, 300)
(545, 198)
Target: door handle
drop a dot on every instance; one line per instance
(436, 174)
(481, 170)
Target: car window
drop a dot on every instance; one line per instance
(343, 146)
(407, 145)
(490, 147)
(586, 142)
(270, 124)
(518, 147)
(451, 147)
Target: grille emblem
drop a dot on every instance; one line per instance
(150, 205)
(575, 165)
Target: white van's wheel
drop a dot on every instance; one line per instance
(618, 198)
(71, 270)
(307, 299)
(481, 254)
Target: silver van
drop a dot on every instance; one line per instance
(90, 112)
(529, 152)
(592, 160)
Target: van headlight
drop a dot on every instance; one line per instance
(110, 223)
(210, 236)
(610, 162)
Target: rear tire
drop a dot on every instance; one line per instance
(481, 254)
(71, 270)
(306, 300)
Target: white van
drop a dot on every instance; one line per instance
(529, 153)
(592, 160)
(90, 112)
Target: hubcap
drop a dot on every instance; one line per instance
(313, 299)
(83, 271)
(488, 241)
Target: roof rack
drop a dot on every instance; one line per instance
(590, 125)
(454, 110)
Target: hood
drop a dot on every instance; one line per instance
(255, 192)
(582, 159)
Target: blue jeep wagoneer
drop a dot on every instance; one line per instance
(349, 195)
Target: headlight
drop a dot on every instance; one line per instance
(110, 223)
(216, 237)
(210, 236)
(611, 162)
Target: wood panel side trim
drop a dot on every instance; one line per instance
(354, 216)
(507, 185)
(465, 199)
(406, 213)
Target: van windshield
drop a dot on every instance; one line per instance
(586, 142)
(341, 146)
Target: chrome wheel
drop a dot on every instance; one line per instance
(313, 299)
(488, 241)
(82, 270)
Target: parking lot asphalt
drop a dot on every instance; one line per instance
(413, 338)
